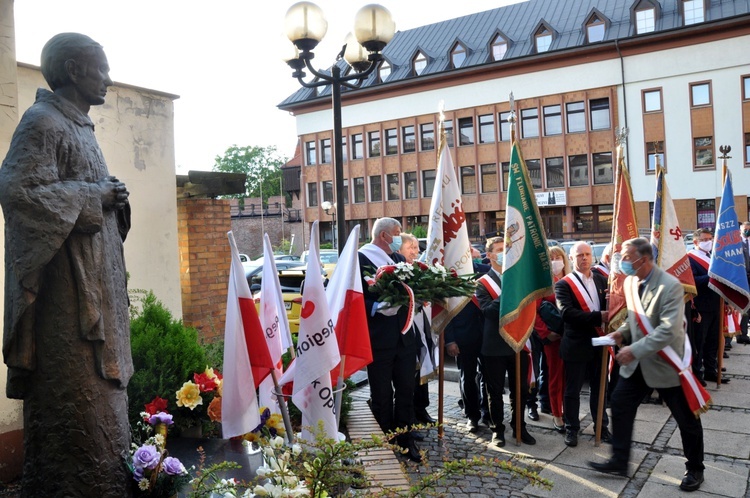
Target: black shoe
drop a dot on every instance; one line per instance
(610, 467)
(417, 435)
(692, 480)
(726, 355)
(533, 413)
(713, 378)
(558, 428)
(461, 404)
(727, 347)
(606, 435)
(723, 369)
(571, 438)
(743, 339)
(703, 382)
(411, 452)
(498, 439)
(546, 410)
(424, 417)
(486, 421)
(526, 438)
(472, 425)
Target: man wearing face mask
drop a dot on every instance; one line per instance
(498, 357)
(394, 355)
(743, 337)
(706, 323)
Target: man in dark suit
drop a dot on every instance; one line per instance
(581, 299)
(463, 340)
(743, 337)
(659, 297)
(391, 373)
(499, 357)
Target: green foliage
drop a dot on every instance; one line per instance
(262, 165)
(283, 247)
(327, 245)
(419, 232)
(166, 354)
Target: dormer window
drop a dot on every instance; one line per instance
(419, 63)
(595, 29)
(384, 71)
(645, 21)
(458, 55)
(693, 11)
(498, 48)
(542, 39)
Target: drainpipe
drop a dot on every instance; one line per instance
(624, 94)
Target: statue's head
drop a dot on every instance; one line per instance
(75, 60)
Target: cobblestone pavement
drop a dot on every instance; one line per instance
(656, 465)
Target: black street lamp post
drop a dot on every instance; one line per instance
(305, 27)
(331, 209)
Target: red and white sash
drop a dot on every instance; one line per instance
(700, 257)
(582, 296)
(732, 320)
(697, 397)
(603, 270)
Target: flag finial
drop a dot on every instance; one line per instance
(512, 115)
(621, 136)
(441, 111)
(725, 150)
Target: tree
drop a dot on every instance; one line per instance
(262, 165)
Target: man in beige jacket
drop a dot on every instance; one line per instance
(659, 302)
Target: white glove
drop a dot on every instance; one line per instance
(388, 310)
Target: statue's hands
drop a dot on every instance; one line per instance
(114, 193)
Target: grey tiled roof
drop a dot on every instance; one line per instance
(518, 23)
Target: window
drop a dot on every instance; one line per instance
(599, 109)
(419, 63)
(373, 139)
(392, 183)
(408, 139)
(555, 173)
(535, 172)
(312, 194)
(706, 210)
(651, 155)
(466, 131)
(578, 170)
(449, 132)
(506, 173)
(700, 94)
(345, 193)
(310, 158)
(704, 151)
(498, 48)
(605, 215)
(693, 10)
(486, 129)
(530, 122)
(595, 29)
(428, 182)
(542, 40)
(504, 126)
(458, 55)
(603, 172)
(468, 180)
(343, 149)
(357, 150)
(427, 136)
(746, 87)
(384, 71)
(747, 148)
(489, 178)
(391, 142)
(645, 20)
(410, 185)
(376, 188)
(594, 218)
(327, 190)
(651, 100)
(552, 120)
(575, 113)
(359, 190)
(325, 151)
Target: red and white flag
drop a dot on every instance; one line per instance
(239, 404)
(347, 305)
(317, 352)
(447, 234)
(275, 324)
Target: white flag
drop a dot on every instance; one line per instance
(275, 324)
(239, 404)
(447, 234)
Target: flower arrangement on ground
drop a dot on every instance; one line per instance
(206, 384)
(430, 283)
(271, 426)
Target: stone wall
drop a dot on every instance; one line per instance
(248, 230)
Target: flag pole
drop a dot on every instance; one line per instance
(284, 409)
(722, 311)
(516, 402)
(600, 403)
(442, 142)
(339, 391)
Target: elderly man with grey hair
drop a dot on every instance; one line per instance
(394, 354)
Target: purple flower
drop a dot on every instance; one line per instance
(173, 466)
(137, 473)
(160, 418)
(146, 457)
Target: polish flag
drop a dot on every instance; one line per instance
(347, 305)
(239, 404)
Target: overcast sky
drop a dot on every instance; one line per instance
(223, 58)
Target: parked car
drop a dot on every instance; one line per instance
(256, 269)
(291, 281)
(598, 250)
(552, 242)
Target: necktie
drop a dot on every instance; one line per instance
(641, 288)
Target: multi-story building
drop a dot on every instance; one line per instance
(676, 73)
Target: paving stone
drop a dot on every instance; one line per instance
(719, 442)
(721, 479)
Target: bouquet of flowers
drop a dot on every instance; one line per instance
(207, 383)
(271, 426)
(278, 468)
(429, 283)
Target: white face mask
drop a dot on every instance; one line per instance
(557, 266)
(706, 245)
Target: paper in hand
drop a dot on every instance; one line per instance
(603, 341)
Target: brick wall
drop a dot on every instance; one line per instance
(248, 230)
(204, 263)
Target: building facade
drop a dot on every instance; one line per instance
(674, 73)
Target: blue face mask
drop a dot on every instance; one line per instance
(627, 267)
(500, 258)
(395, 244)
(477, 261)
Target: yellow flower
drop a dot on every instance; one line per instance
(251, 437)
(189, 395)
(275, 421)
(209, 372)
